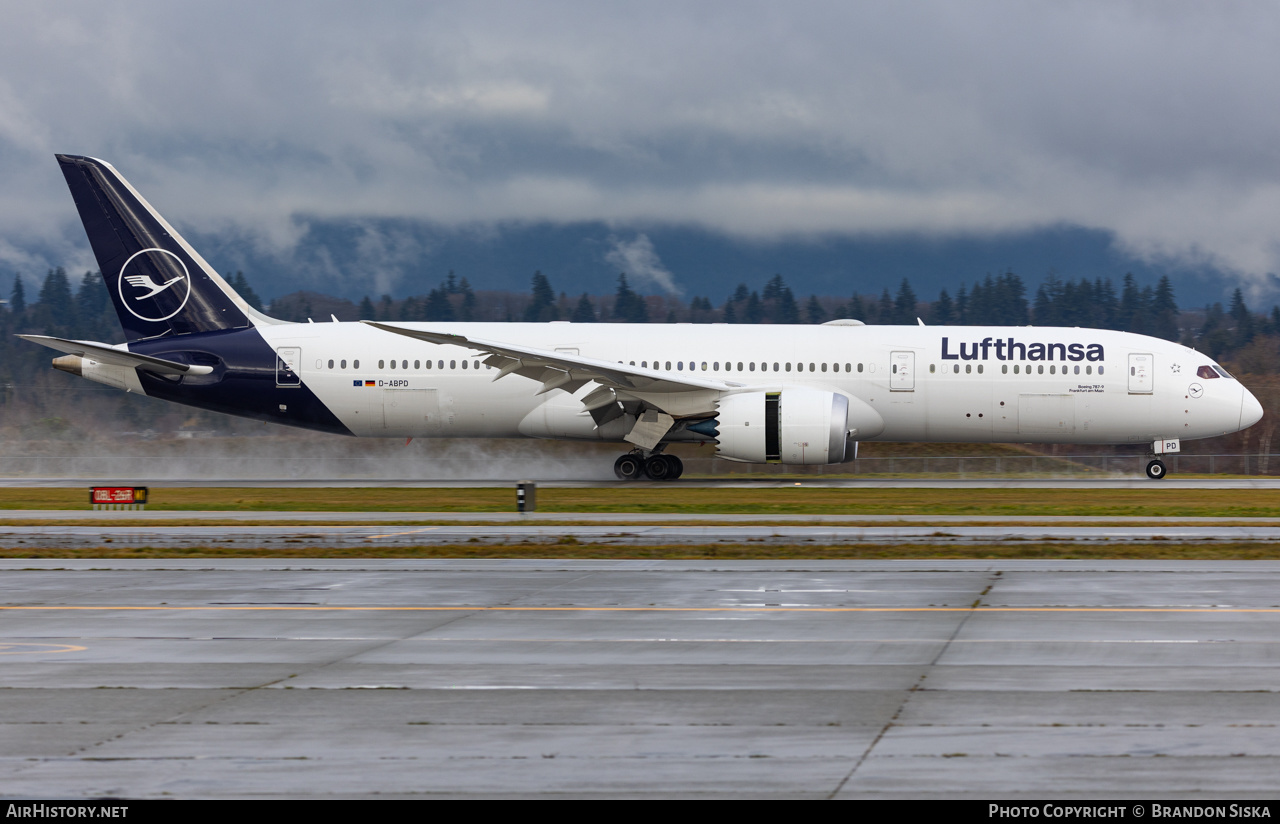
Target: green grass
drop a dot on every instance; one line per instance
(1155, 502)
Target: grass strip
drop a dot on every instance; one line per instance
(1158, 551)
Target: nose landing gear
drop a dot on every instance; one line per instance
(656, 466)
(1156, 470)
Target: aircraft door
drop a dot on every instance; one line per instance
(902, 371)
(1140, 373)
(288, 363)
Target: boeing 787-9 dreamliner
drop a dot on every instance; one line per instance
(759, 393)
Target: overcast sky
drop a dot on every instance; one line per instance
(1157, 121)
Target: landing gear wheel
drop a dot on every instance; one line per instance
(628, 467)
(677, 467)
(1156, 470)
(659, 468)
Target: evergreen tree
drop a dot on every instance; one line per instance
(943, 310)
(884, 310)
(18, 297)
(92, 303)
(755, 310)
(438, 306)
(55, 297)
(730, 314)
(629, 307)
(543, 306)
(813, 310)
(584, 312)
(904, 306)
(241, 284)
(1164, 311)
(1241, 319)
(367, 311)
(468, 312)
(962, 306)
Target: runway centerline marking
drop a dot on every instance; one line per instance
(278, 608)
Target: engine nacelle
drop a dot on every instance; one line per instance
(794, 425)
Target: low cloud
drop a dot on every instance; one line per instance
(639, 261)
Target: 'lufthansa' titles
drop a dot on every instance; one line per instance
(1011, 349)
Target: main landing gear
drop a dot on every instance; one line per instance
(1156, 470)
(657, 467)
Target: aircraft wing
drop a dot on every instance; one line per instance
(103, 353)
(563, 370)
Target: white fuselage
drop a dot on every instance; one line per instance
(1003, 384)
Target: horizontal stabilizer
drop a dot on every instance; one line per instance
(104, 353)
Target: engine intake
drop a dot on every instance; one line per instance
(793, 425)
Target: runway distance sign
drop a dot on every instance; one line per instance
(118, 495)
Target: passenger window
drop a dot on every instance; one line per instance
(753, 366)
(979, 369)
(633, 363)
(704, 366)
(668, 366)
(440, 364)
(356, 364)
(824, 367)
(775, 367)
(417, 365)
(342, 364)
(1088, 370)
(788, 366)
(453, 364)
(1077, 369)
(393, 364)
(932, 368)
(1040, 369)
(812, 368)
(1015, 369)
(404, 364)
(739, 366)
(381, 364)
(428, 364)
(464, 364)
(1004, 369)
(330, 364)
(1053, 370)
(1203, 372)
(848, 369)
(1099, 369)
(968, 368)
(859, 367)
(679, 366)
(955, 368)
(716, 366)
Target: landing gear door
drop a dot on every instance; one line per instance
(1140, 373)
(902, 371)
(288, 361)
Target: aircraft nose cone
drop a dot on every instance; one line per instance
(1250, 410)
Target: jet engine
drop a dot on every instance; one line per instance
(794, 425)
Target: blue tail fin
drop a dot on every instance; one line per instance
(159, 285)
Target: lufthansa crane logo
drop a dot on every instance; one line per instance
(154, 287)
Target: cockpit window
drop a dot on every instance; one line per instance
(1222, 372)
(1206, 372)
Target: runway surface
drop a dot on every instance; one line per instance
(741, 482)
(255, 678)
(72, 537)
